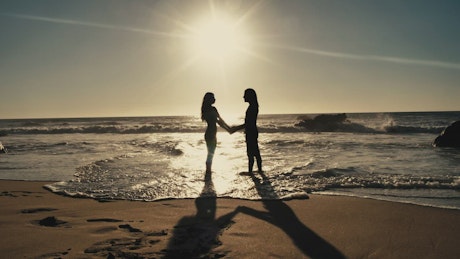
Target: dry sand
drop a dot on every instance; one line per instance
(36, 223)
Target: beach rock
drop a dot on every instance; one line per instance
(324, 122)
(331, 123)
(450, 137)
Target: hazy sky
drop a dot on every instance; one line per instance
(83, 58)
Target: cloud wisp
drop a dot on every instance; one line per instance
(398, 60)
(406, 61)
(89, 24)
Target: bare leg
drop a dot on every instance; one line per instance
(250, 163)
(259, 162)
(209, 161)
(211, 145)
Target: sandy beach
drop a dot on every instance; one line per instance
(39, 224)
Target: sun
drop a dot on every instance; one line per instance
(217, 43)
(218, 39)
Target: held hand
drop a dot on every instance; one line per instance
(232, 130)
(236, 128)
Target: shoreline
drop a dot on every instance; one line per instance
(331, 193)
(321, 193)
(39, 223)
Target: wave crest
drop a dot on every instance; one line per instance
(353, 123)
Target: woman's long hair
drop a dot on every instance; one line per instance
(208, 100)
(251, 97)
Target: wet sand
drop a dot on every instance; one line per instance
(36, 223)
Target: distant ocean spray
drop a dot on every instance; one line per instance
(355, 123)
(385, 156)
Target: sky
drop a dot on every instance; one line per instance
(86, 58)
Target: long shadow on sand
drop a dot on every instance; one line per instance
(195, 236)
(282, 216)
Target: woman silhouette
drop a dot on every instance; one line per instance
(211, 116)
(250, 129)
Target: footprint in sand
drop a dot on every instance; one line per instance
(36, 210)
(19, 193)
(129, 228)
(128, 247)
(7, 194)
(54, 255)
(104, 230)
(104, 220)
(125, 247)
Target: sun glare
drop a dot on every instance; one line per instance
(218, 39)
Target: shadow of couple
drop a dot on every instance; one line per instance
(196, 236)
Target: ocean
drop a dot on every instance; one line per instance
(385, 156)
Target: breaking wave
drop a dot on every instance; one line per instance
(371, 123)
(120, 129)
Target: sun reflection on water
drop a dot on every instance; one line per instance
(229, 161)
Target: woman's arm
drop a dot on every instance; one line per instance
(222, 123)
(239, 127)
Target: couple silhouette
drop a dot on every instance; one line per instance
(212, 117)
(197, 235)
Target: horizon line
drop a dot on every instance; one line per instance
(261, 114)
